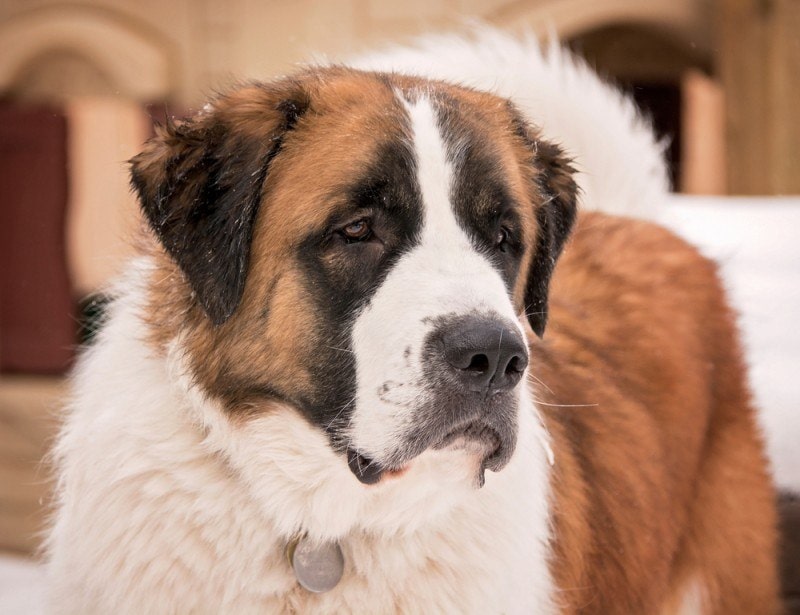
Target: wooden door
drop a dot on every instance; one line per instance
(37, 312)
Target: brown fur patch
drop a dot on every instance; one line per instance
(269, 341)
(660, 476)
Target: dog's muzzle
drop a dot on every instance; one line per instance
(472, 365)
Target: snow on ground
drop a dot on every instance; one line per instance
(21, 586)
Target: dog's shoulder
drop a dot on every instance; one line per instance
(627, 286)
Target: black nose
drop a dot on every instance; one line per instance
(485, 354)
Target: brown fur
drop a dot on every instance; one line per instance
(269, 338)
(660, 476)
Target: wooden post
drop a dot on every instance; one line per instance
(758, 62)
(703, 150)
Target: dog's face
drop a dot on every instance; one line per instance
(365, 248)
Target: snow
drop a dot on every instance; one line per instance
(21, 586)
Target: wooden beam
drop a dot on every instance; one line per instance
(758, 62)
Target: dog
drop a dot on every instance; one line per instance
(371, 358)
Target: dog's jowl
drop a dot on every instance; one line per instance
(352, 371)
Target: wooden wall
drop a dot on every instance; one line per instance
(757, 58)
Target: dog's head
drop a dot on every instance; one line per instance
(365, 248)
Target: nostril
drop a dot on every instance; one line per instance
(515, 366)
(478, 364)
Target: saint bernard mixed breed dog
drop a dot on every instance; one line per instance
(372, 359)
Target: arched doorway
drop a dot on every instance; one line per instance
(660, 52)
(74, 83)
(661, 71)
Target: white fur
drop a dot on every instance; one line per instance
(692, 599)
(165, 506)
(444, 274)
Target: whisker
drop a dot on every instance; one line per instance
(538, 380)
(527, 313)
(338, 414)
(341, 349)
(544, 403)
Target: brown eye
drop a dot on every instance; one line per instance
(501, 239)
(357, 231)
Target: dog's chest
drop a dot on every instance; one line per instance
(437, 571)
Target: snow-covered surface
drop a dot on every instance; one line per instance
(21, 586)
(756, 241)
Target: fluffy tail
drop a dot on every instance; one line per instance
(620, 162)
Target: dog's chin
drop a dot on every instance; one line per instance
(480, 444)
(476, 447)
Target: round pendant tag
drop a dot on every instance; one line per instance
(318, 568)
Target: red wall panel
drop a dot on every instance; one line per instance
(37, 312)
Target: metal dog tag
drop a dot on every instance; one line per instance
(318, 568)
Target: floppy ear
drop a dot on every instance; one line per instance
(555, 195)
(200, 183)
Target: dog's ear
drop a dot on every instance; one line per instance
(555, 196)
(200, 183)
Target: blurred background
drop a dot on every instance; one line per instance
(81, 83)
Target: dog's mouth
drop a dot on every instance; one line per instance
(474, 435)
(369, 471)
(479, 439)
(476, 438)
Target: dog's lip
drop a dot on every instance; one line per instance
(369, 471)
(486, 436)
(473, 430)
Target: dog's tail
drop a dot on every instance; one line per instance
(621, 163)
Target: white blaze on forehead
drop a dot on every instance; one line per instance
(443, 274)
(445, 253)
(434, 173)
(444, 245)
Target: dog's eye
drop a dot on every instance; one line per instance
(360, 230)
(501, 238)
